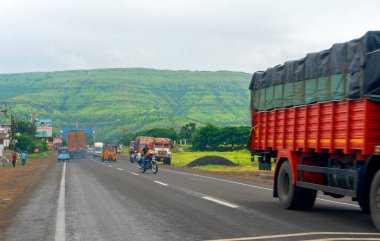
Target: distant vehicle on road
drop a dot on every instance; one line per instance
(90, 151)
(63, 154)
(109, 153)
(77, 143)
(98, 149)
(120, 148)
(132, 151)
(162, 150)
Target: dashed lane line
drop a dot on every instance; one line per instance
(161, 183)
(219, 179)
(250, 185)
(119, 169)
(220, 202)
(110, 166)
(134, 173)
(331, 201)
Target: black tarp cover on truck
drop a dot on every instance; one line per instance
(345, 71)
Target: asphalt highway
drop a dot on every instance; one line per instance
(87, 200)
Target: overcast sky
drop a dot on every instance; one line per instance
(237, 35)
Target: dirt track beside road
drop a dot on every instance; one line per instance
(15, 181)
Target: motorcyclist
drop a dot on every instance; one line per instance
(145, 154)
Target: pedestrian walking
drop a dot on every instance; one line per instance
(23, 158)
(18, 155)
(14, 158)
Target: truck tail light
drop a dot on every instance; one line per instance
(377, 149)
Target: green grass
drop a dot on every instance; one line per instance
(241, 158)
(38, 155)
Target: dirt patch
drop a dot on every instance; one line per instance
(15, 181)
(211, 160)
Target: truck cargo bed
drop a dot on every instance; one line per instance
(351, 126)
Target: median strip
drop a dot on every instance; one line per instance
(220, 202)
(161, 183)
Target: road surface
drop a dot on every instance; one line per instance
(87, 200)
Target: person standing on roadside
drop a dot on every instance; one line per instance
(18, 155)
(23, 158)
(14, 158)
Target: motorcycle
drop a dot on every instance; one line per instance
(150, 163)
(132, 157)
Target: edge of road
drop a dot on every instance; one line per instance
(8, 214)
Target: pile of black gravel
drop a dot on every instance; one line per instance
(211, 160)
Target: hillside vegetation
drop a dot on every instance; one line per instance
(118, 101)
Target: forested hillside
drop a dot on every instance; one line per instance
(118, 101)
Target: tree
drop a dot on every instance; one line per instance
(206, 137)
(187, 131)
(25, 127)
(160, 132)
(128, 138)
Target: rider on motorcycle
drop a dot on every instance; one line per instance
(145, 154)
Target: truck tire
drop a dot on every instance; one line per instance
(290, 196)
(374, 200)
(364, 205)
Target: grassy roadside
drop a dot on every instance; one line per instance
(241, 158)
(40, 154)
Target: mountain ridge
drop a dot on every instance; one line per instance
(121, 100)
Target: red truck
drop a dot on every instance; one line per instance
(76, 140)
(319, 119)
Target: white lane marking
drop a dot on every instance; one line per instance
(60, 226)
(250, 185)
(294, 235)
(119, 169)
(134, 173)
(103, 163)
(331, 201)
(109, 165)
(161, 183)
(335, 239)
(218, 179)
(220, 202)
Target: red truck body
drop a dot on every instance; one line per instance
(77, 143)
(319, 119)
(348, 127)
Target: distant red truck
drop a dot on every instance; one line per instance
(132, 147)
(141, 142)
(76, 140)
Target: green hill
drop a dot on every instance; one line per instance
(118, 101)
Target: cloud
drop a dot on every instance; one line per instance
(241, 35)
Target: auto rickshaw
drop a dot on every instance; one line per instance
(63, 154)
(109, 153)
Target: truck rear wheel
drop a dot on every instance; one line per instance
(374, 200)
(290, 196)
